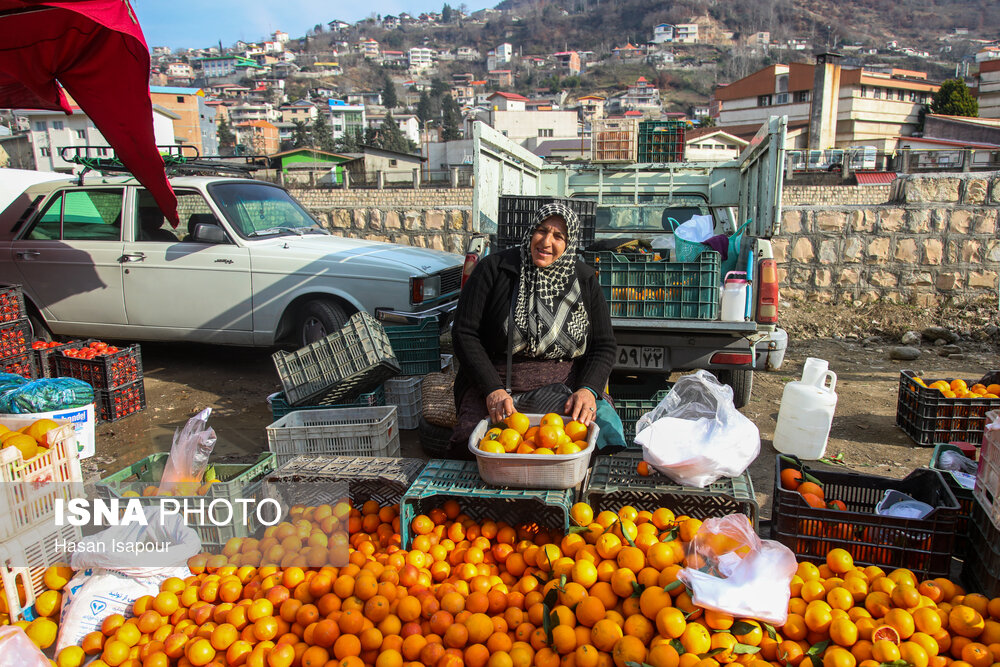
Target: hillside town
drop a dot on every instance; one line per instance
(338, 100)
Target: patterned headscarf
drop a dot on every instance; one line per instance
(550, 317)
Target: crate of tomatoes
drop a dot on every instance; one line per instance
(45, 352)
(101, 365)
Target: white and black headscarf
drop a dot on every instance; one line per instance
(550, 317)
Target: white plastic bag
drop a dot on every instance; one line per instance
(17, 650)
(696, 435)
(189, 454)
(108, 580)
(738, 573)
(699, 228)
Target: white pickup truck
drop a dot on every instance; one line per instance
(634, 201)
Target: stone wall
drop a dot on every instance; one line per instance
(839, 195)
(936, 238)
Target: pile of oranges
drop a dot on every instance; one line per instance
(810, 489)
(488, 594)
(552, 435)
(30, 440)
(961, 389)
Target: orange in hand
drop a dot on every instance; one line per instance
(517, 421)
(576, 431)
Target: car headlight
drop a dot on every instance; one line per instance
(425, 289)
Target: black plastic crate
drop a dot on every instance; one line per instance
(15, 338)
(929, 417)
(45, 358)
(281, 407)
(981, 567)
(962, 495)
(114, 404)
(106, 371)
(19, 364)
(615, 482)
(347, 363)
(12, 304)
(922, 545)
(417, 347)
(516, 215)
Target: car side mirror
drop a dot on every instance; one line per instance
(206, 233)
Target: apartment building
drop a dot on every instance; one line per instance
(500, 78)
(196, 121)
(369, 49)
(302, 111)
(180, 70)
(421, 58)
(641, 96)
(500, 55)
(467, 53)
(221, 66)
(827, 105)
(395, 58)
(686, 33)
(508, 115)
(408, 124)
(663, 33)
(346, 117)
(247, 111)
(989, 89)
(568, 61)
(260, 136)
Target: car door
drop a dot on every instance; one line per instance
(68, 259)
(174, 285)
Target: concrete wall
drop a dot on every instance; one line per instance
(920, 240)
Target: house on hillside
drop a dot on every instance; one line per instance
(708, 144)
(568, 61)
(641, 96)
(989, 89)
(663, 33)
(305, 164)
(500, 78)
(195, 123)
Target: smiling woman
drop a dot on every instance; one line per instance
(537, 313)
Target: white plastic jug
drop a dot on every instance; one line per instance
(806, 412)
(734, 297)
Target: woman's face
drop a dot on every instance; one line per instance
(548, 242)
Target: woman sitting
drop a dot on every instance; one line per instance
(543, 307)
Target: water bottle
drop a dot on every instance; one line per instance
(734, 297)
(806, 412)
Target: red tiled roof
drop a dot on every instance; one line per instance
(509, 96)
(874, 177)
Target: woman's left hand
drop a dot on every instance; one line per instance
(581, 406)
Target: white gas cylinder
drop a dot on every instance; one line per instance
(806, 412)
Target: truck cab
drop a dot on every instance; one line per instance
(637, 201)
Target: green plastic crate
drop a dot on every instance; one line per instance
(661, 140)
(630, 409)
(235, 479)
(281, 407)
(443, 480)
(615, 482)
(661, 290)
(417, 347)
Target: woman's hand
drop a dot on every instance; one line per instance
(581, 406)
(499, 405)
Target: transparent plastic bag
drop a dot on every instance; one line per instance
(17, 650)
(957, 462)
(730, 569)
(189, 453)
(46, 395)
(696, 435)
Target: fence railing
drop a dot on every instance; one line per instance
(847, 162)
(456, 177)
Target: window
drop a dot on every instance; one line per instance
(44, 150)
(393, 163)
(864, 91)
(802, 96)
(103, 152)
(878, 93)
(81, 215)
(57, 125)
(763, 100)
(149, 223)
(900, 95)
(40, 126)
(180, 99)
(545, 132)
(781, 98)
(719, 147)
(81, 134)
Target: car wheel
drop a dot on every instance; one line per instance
(38, 329)
(318, 319)
(742, 383)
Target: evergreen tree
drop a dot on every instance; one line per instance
(452, 125)
(227, 138)
(350, 142)
(389, 136)
(300, 137)
(954, 99)
(322, 134)
(389, 100)
(706, 121)
(425, 110)
(446, 13)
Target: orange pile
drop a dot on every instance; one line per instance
(810, 490)
(553, 435)
(961, 389)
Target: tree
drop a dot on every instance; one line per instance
(389, 100)
(452, 126)
(446, 13)
(425, 110)
(954, 99)
(227, 139)
(706, 121)
(350, 142)
(389, 136)
(322, 134)
(300, 137)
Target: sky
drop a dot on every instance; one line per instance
(202, 23)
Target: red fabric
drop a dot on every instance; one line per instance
(95, 49)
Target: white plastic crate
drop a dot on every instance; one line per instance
(405, 394)
(339, 432)
(28, 489)
(23, 560)
(533, 471)
(987, 489)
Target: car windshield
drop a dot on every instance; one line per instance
(255, 209)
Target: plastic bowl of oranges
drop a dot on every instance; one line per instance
(532, 451)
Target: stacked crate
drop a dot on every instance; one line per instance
(614, 140)
(981, 567)
(661, 141)
(15, 334)
(516, 216)
(418, 349)
(116, 377)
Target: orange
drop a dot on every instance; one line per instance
(977, 655)
(811, 488)
(884, 650)
(790, 479)
(518, 422)
(965, 621)
(605, 634)
(838, 560)
(629, 649)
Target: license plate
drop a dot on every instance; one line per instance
(639, 356)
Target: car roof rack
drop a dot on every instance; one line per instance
(177, 159)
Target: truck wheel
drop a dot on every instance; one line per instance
(318, 319)
(38, 329)
(742, 383)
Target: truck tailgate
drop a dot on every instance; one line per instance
(704, 326)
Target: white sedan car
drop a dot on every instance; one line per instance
(246, 266)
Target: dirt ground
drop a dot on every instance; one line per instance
(182, 379)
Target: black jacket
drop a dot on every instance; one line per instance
(478, 331)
